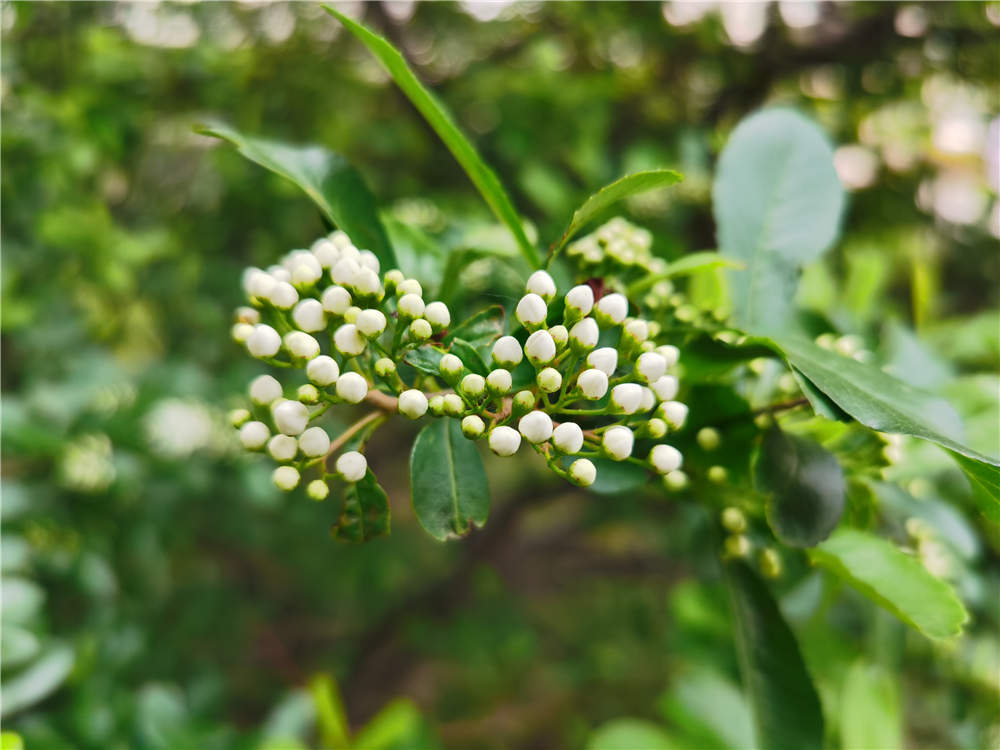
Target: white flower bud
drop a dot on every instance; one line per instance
(541, 283)
(366, 283)
(254, 435)
(665, 387)
(436, 406)
(656, 428)
(584, 334)
(317, 490)
(352, 388)
(325, 252)
(307, 393)
(650, 366)
(314, 442)
(473, 385)
(409, 286)
(279, 274)
(560, 335)
(420, 329)
(674, 413)
(507, 352)
(258, 283)
(385, 367)
(339, 238)
(549, 380)
(437, 315)
(285, 478)
(473, 427)
(371, 322)
(536, 426)
(637, 330)
(671, 354)
(617, 442)
(290, 417)
(336, 300)
(301, 345)
(345, 271)
(264, 390)
(393, 278)
(665, 458)
(453, 404)
(583, 472)
(648, 399)
(412, 403)
(241, 332)
(568, 438)
(237, 417)
(304, 274)
(309, 316)
(369, 260)
(323, 370)
(504, 441)
(351, 314)
(531, 310)
(604, 359)
(348, 341)
(593, 383)
(580, 299)
(450, 366)
(411, 306)
(627, 397)
(540, 348)
(247, 315)
(298, 258)
(282, 447)
(352, 466)
(499, 381)
(613, 308)
(283, 295)
(264, 341)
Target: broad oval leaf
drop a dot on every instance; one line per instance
(869, 709)
(630, 734)
(365, 514)
(470, 356)
(805, 487)
(426, 358)
(786, 708)
(333, 184)
(441, 121)
(447, 481)
(777, 202)
(894, 580)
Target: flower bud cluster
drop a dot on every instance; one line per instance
(616, 248)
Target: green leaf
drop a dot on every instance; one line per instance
(470, 356)
(805, 487)
(711, 708)
(331, 718)
(819, 401)
(441, 121)
(11, 741)
(426, 358)
(786, 708)
(623, 187)
(365, 514)
(613, 477)
(688, 264)
(869, 709)
(985, 481)
(482, 328)
(333, 184)
(447, 481)
(777, 203)
(418, 255)
(894, 580)
(398, 726)
(630, 734)
(457, 261)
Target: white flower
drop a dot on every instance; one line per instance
(627, 397)
(531, 310)
(283, 295)
(336, 300)
(499, 381)
(298, 258)
(648, 399)
(541, 283)
(669, 353)
(349, 251)
(584, 334)
(665, 458)
(450, 366)
(536, 426)
(613, 308)
(453, 404)
(580, 299)
(549, 380)
(241, 332)
(604, 359)
(348, 341)
(420, 329)
(254, 435)
(540, 347)
(309, 316)
(258, 283)
(559, 334)
(317, 489)
(325, 252)
(674, 413)
(507, 351)
(366, 283)
(504, 441)
(369, 260)
(411, 306)
(438, 315)
(473, 426)
(412, 403)
(304, 274)
(264, 390)
(290, 417)
(279, 273)
(617, 442)
(314, 442)
(583, 472)
(637, 329)
(339, 238)
(593, 383)
(248, 315)
(650, 366)
(352, 466)
(409, 286)
(473, 385)
(345, 271)
(285, 478)
(323, 370)
(352, 388)
(665, 387)
(301, 345)
(371, 322)
(568, 438)
(264, 341)
(282, 447)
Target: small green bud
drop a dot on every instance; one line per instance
(473, 385)
(770, 562)
(409, 286)
(708, 438)
(453, 405)
(560, 335)
(436, 406)
(675, 481)
(351, 313)
(499, 381)
(524, 402)
(763, 421)
(385, 367)
(656, 428)
(307, 394)
(717, 474)
(420, 330)
(450, 367)
(549, 380)
(473, 427)
(736, 546)
(733, 520)
(392, 279)
(317, 490)
(238, 417)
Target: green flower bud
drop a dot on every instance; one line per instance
(420, 330)
(717, 474)
(560, 335)
(385, 367)
(549, 380)
(655, 428)
(392, 279)
(736, 546)
(473, 385)
(675, 481)
(473, 427)
(307, 394)
(524, 402)
(238, 417)
(453, 405)
(317, 490)
(450, 367)
(708, 438)
(733, 520)
(770, 562)
(436, 406)
(351, 314)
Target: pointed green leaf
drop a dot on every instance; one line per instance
(894, 580)
(331, 718)
(333, 184)
(688, 264)
(365, 514)
(785, 705)
(869, 709)
(630, 734)
(447, 481)
(470, 356)
(481, 328)
(620, 189)
(426, 358)
(441, 121)
(805, 487)
(985, 480)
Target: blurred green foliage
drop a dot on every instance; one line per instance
(159, 593)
